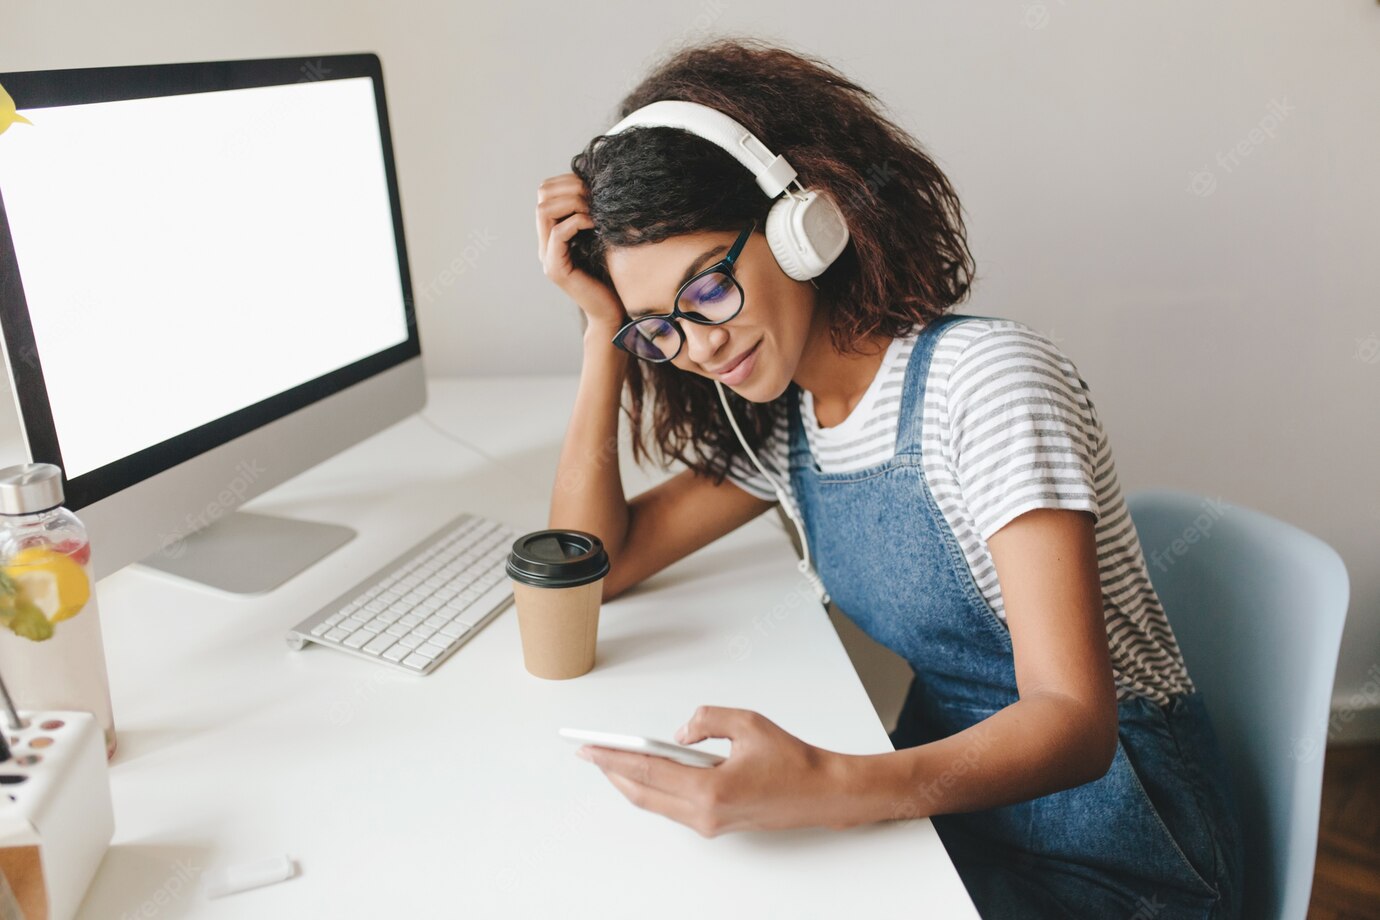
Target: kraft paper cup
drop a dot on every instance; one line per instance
(558, 582)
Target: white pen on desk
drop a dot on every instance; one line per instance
(245, 876)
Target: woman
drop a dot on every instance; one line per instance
(950, 472)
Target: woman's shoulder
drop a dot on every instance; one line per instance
(988, 372)
(973, 334)
(985, 351)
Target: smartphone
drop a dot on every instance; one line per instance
(637, 744)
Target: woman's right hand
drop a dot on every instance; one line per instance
(562, 212)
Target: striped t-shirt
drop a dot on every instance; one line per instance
(1009, 426)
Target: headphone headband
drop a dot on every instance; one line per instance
(805, 230)
(773, 173)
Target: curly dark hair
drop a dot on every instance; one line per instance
(906, 263)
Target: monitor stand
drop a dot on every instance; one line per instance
(249, 553)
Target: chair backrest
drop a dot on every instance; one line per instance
(1257, 606)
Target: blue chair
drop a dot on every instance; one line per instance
(1258, 607)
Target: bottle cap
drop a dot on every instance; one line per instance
(557, 559)
(30, 487)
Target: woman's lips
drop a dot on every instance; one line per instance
(739, 372)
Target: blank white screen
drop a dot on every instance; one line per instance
(184, 257)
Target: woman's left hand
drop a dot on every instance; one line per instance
(771, 780)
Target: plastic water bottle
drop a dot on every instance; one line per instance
(51, 651)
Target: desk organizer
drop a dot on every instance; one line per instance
(56, 819)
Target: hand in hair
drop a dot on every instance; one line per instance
(562, 212)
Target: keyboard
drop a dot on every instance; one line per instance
(416, 611)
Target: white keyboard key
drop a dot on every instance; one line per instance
(453, 630)
(416, 662)
(322, 628)
(336, 635)
(411, 640)
(428, 650)
(472, 615)
(396, 653)
(484, 605)
(379, 643)
(357, 640)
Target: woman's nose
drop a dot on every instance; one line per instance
(702, 343)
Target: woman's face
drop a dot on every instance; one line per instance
(770, 332)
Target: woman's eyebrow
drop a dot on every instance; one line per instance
(694, 266)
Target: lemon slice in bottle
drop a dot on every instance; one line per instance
(51, 581)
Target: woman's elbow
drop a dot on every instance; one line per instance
(1099, 746)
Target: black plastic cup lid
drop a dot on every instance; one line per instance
(557, 559)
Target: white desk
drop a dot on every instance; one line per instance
(451, 795)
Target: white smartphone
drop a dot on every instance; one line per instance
(637, 744)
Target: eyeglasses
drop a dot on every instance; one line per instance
(710, 297)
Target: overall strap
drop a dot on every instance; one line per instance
(912, 409)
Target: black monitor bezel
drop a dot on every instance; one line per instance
(36, 90)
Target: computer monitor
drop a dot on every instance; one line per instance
(204, 291)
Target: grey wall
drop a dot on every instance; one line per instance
(1183, 194)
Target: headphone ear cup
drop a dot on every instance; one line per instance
(783, 246)
(806, 234)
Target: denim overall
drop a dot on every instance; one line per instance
(1155, 837)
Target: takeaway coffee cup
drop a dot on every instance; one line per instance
(558, 582)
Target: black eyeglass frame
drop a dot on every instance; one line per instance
(725, 267)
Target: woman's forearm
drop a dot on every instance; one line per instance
(588, 492)
(1041, 744)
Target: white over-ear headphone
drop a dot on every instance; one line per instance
(806, 230)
